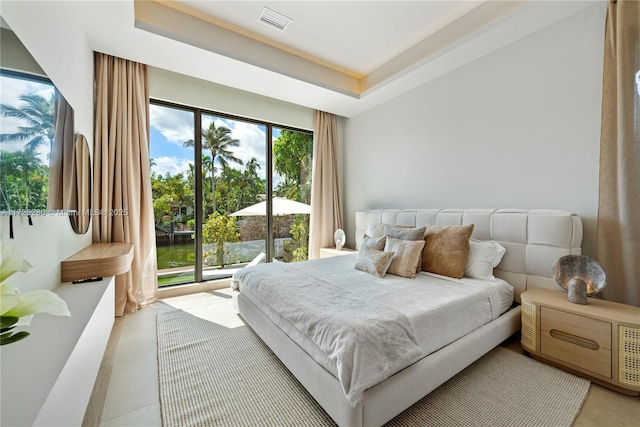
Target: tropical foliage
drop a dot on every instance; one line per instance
(24, 178)
(24, 181)
(218, 230)
(219, 142)
(292, 153)
(227, 189)
(37, 114)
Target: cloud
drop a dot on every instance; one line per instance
(11, 89)
(171, 165)
(175, 125)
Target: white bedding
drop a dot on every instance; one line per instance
(439, 310)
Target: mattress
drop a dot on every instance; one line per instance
(439, 310)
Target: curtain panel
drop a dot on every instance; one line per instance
(618, 224)
(122, 199)
(62, 184)
(326, 204)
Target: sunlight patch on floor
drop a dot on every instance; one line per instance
(214, 306)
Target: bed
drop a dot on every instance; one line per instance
(416, 361)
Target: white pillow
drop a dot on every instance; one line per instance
(484, 256)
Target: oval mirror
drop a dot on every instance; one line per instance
(80, 222)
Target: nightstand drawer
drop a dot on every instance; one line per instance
(577, 340)
(598, 340)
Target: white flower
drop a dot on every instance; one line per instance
(9, 298)
(34, 302)
(11, 262)
(17, 310)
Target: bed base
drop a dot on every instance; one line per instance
(386, 400)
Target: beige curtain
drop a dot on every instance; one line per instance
(326, 204)
(619, 197)
(122, 187)
(62, 185)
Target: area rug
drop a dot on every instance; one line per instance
(211, 375)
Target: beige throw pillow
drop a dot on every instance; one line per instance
(406, 233)
(408, 253)
(373, 261)
(446, 249)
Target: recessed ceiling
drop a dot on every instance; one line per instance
(353, 36)
(347, 46)
(343, 57)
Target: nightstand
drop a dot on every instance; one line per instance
(599, 341)
(329, 252)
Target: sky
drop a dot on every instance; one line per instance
(170, 128)
(10, 91)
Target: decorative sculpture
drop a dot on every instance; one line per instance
(580, 275)
(340, 239)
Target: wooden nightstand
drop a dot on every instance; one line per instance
(329, 252)
(600, 340)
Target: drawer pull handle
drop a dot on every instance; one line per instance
(574, 339)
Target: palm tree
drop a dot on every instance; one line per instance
(39, 115)
(251, 183)
(207, 166)
(218, 141)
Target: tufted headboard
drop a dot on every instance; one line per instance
(533, 239)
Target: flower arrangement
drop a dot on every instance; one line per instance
(18, 310)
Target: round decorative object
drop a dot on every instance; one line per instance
(339, 238)
(580, 275)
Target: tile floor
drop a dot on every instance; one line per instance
(126, 391)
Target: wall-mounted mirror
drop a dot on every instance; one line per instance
(80, 222)
(38, 175)
(27, 123)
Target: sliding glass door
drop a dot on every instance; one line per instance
(227, 191)
(234, 164)
(291, 183)
(173, 180)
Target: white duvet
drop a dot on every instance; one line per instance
(361, 328)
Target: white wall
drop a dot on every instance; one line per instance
(68, 62)
(65, 56)
(169, 86)
(518, 128)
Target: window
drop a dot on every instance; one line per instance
(235, 165)
(27, 122)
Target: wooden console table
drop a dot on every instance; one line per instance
(97, 260)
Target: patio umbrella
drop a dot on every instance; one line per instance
(281, 206)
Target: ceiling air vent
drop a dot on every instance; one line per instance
(274, 19)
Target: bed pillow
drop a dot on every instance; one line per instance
(484, 256)
(446, 249)
(404, 233)
(374, 242)
(375, 231)
(408, 254)
(378, 229)
(373, 261)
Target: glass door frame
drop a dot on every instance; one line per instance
(198, 190)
